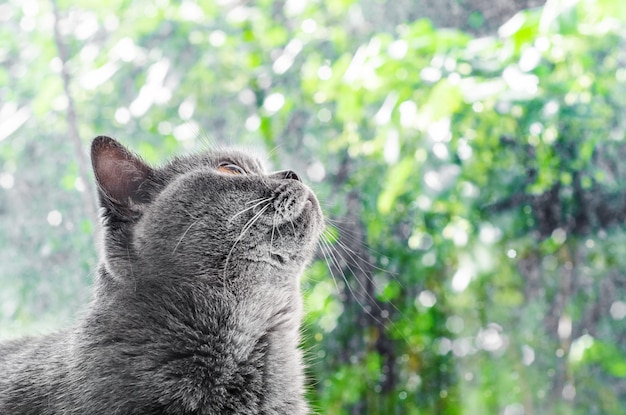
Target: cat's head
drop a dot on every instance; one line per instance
(216, 217)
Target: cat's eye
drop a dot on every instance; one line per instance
(230, 168)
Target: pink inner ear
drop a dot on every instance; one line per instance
(118, 172)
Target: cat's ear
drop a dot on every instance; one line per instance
(119, 175)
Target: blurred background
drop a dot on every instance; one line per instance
(466, 152)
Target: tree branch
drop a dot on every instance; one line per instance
(72, 123)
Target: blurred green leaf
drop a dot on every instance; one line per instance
(395, 184)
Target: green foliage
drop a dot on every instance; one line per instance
(483, 175)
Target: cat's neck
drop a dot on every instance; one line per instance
(205, 304)
(201, 340)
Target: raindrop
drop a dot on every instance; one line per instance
(217, 38)
(253, 122)
(7, 181)
(455, 324)
(427, 298)
(186, 109)
(324, 115)
(528, 355)
(461, 279)
(122, 115)
(309, 26)
(514, 409)
(324, 72)
(569, 392)
(79, 185)
(618, 310)
(398, 49)
(54, 218)
(274, 102)
(316, 171)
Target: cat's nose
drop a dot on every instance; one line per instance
(286, 174)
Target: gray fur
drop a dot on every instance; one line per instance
(196, 305)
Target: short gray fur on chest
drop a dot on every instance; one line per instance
(196, 305)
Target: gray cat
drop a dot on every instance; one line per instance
(196, 307)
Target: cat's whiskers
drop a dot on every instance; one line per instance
(189, 213)
(257, 202)
(294, 228)
(252, 221)
(130, 263)
(185, 234)
(326, 256)
(355, 260)
(335, 261)
(245, 228)
(354, 239)
(368, 297)
(329, 249)
(273, 230)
